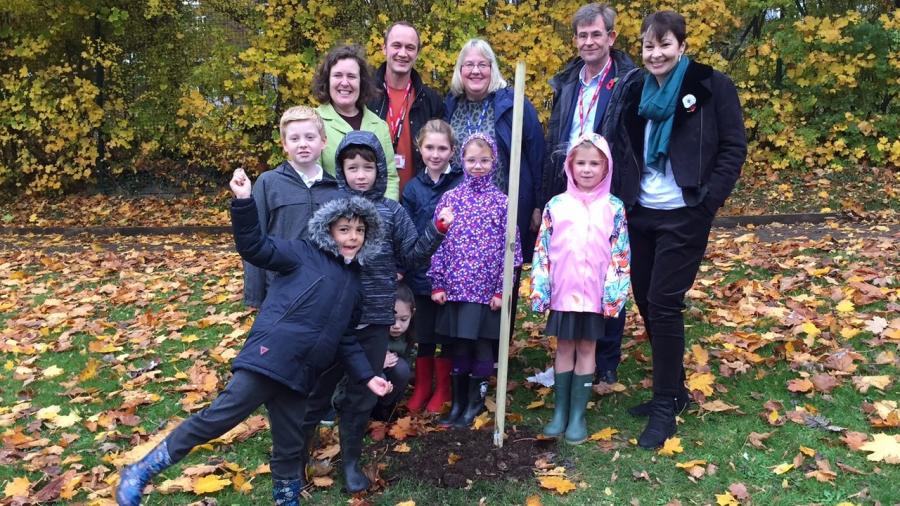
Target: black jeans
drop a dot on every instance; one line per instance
(358, 400)
(609, 347)
(666, 250)
(399, 376)
(244, 393)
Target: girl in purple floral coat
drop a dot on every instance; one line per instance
(467, 277)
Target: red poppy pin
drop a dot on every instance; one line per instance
(689, 102)
(611, 83)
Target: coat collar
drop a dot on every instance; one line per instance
(414, 76)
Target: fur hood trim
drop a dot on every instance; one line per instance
(353, 207)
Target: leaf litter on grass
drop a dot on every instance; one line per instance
(105, 341)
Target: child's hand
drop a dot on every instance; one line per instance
(496, 303)
(439, 298)
(240, 184)
(380, 386)
(446, 217)
(390, 359)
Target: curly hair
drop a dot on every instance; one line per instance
(320, 82)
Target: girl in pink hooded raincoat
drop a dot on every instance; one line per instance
(581, 273)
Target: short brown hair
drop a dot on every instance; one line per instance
(301, 113)
(354, 150)
(387, 32)
(320, 82)
(660, 23)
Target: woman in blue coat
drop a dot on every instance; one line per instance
(480, 101)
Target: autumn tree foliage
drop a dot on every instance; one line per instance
(94, 90)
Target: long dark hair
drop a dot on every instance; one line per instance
(320, 82)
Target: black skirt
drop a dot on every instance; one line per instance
(468, 320)
(425, 321)
(572, 325)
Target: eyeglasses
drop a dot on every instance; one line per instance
(478, 162)
(470, 66)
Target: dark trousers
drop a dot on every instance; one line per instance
(666, 250)
(358, 400)
(244, 393)
(399, 376)
(609, 347)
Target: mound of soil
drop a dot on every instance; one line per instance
(449, 458)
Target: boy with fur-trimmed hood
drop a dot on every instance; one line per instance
(362, 171)
(306, 320)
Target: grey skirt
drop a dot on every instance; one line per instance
(572, 325)
(468, 320)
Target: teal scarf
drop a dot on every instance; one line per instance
(658, 105)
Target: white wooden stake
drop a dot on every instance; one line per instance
(507, 312)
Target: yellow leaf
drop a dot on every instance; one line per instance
(863, 383)
(702, 382)
(48, 413)
(52, 371)
(180, 484)
(483, 420)
(782, 468)
(701, 356)
(66, 421)
(691, 463)
(671, 447)
(809, 452)
(849, 333)
(18, 487)
(726, 499)
(883, 448)
(453, 458)
(210, 483)
(535, 404)
(402, 448)
(533, 500)
(557, 484)
(406, 503)
(603, 434)
(90, 370)
(773, 417)
(810, 329)
(845, 306)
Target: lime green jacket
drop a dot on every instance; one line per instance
(335, 130)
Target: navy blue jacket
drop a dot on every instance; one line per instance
(530, 171)
(307, 317)
(420, 199)
(403, 248)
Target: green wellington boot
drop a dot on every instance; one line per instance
(562, 384)
(576, 432)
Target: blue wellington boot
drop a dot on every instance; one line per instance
(286, 492)
(133, 478)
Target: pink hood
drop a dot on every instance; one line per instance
(601, 189)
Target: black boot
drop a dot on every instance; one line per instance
(353, 428)
(478, 387)
(459, 384)
(682, 401)
(661, 425)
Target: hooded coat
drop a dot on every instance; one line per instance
(582, 256)
(309, 315)
(403, 248)
(469, 264)
(532, 161)
(285, 204)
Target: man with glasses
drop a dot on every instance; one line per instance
(406, 103)
(582, 92)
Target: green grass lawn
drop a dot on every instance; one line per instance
(100, 349)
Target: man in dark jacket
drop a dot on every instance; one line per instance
(304, 323)
(581, 95)
(406, 103)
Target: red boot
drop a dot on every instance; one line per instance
(424, 370)
(442, 367)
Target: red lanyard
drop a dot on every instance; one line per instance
(396, 124)
(581, 114)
